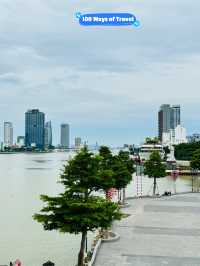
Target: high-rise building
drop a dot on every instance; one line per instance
(34, 128)
(20, 141)
(8, 134)
(174, 136)
(194, 138)
(64, 137)
(175, 116)
(169, 117)
(48, 134)
(77, 142)
(164, 119)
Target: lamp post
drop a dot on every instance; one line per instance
(192, 180)
(194, 174)
(155, 182)
(139, 172)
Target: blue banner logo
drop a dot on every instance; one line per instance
(107, 19)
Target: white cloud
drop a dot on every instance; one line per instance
(98, 76)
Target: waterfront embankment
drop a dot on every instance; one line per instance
(159, 231)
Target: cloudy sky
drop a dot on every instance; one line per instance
(107, 83)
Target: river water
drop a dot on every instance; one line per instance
(23, 177)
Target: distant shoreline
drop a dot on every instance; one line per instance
(36, 152)
(26, 152)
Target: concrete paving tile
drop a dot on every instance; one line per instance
(160, 231)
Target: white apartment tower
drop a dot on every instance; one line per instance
(8, 134)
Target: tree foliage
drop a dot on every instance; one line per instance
(185, 151)
(105, 152)
(123, 168)
(154, 166)
(77, 210)
(154, 140)
(195, 162)
(106, 168)
(76, 215)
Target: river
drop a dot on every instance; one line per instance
(23, 177)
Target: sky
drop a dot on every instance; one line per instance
(106, 82)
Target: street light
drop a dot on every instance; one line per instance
(139, 172)
(194, 174)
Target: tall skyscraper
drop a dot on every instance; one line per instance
(8, 134)
(164, 119)
(34, 128)
(169, 117)
(77, 142)
(48, 135)
(64, 138)
(175, 116)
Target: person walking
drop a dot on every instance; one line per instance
(18, 263)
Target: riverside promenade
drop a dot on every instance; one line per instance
(159, 231)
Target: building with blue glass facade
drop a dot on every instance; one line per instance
(35, 129)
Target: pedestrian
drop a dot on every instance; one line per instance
(18, 263)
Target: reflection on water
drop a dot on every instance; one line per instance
(22, 182)
(43, 161)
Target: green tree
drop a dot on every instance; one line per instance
(195, 165)
(195, 162)
(185, 151)
(123, 168)
(77, 210)
(124, 156)
(105, 152)
(154, 168)
(106, 159)
(154, 140)
(106, 172)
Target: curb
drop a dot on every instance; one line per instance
(112, 239)
(126, 205)
(98, 245)
(94, 255)
(160, 196)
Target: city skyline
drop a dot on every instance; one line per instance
(37, 132)
(106, 89)
(174, 119)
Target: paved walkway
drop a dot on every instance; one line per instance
(162, 231)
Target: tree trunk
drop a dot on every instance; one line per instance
(118, 195)
(124, 196)
(82, 249)
(192, 183)
(154, 186)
